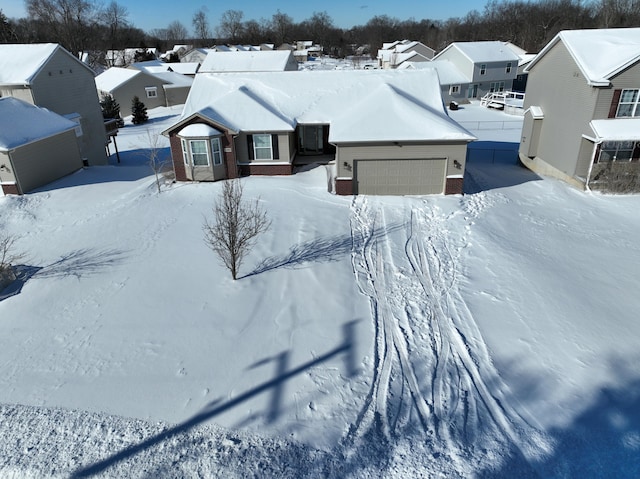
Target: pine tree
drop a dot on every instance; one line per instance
(110, 107)
(138, 111)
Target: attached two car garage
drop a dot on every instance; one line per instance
(400, 177)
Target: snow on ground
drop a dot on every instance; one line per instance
(487, 335)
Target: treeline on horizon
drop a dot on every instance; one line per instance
(85, 26)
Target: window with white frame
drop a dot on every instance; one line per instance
(185, 151)
(262, 147)
(483, 69)
(508, 69)
(496, 86)
(628, 104)
(454, 89)
(616, 151)
(199, 154)
(152, 91)
(216, 151)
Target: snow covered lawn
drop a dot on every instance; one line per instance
(493, 334)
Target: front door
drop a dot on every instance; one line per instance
(310, 139)
(473, 91)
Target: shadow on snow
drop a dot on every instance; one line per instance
(78, 263)
(275, 386)
(321, 250)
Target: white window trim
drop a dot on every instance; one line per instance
(483, 68)
(453, 89)
(255, 149)
(509, 66)
(635, 112)
(151, 91)
(185, 151)
(217, 159)
(207, 152)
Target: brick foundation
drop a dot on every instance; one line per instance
(344, 187)
(11, 189)
(267, 170)
(454, 186)
(177, 159)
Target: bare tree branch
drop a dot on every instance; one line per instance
(235, 226)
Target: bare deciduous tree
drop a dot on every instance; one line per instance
(176, 31)
(8, 256)
(235, 226)
(230, 26)
(154, 156)
(201, 26)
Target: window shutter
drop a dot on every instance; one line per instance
(614, 103)
(250, 146)
(274, 147)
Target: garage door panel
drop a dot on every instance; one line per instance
(400, 177)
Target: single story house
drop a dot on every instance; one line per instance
(582, 110)
(387, 131)
(37, 146)
(153, 89)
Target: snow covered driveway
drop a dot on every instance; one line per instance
(432, 371)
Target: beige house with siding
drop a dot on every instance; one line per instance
(582, 110)
(37, 146)
(384, 132)
(49, 76)
(163, 88)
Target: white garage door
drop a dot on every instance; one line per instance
(400, 177)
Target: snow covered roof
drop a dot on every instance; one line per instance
(199, 130)
(489, 51)
(600, 54)
(151, 66)
(22, 123)
(359, 105)
(19, 63)
(113, 77)
(448, 73)
(185, 68)
(616, 129)
(173, 79)
(260, 61)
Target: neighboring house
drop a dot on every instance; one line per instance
(157, 66)
(453, 84)
(48, 76)
(582, 117)
(195, 55)
(153, 89)
(488, 66)
(253, 61)
(125, 57)
(387, 131)
(37, 146)
(520, 82)
(394, 54)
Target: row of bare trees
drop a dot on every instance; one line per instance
(82, 25)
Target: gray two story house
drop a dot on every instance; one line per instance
(582, 110)
(488, 67)
(48, 76)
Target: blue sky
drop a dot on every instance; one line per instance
(147, 15)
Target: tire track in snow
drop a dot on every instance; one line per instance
(430, 360)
